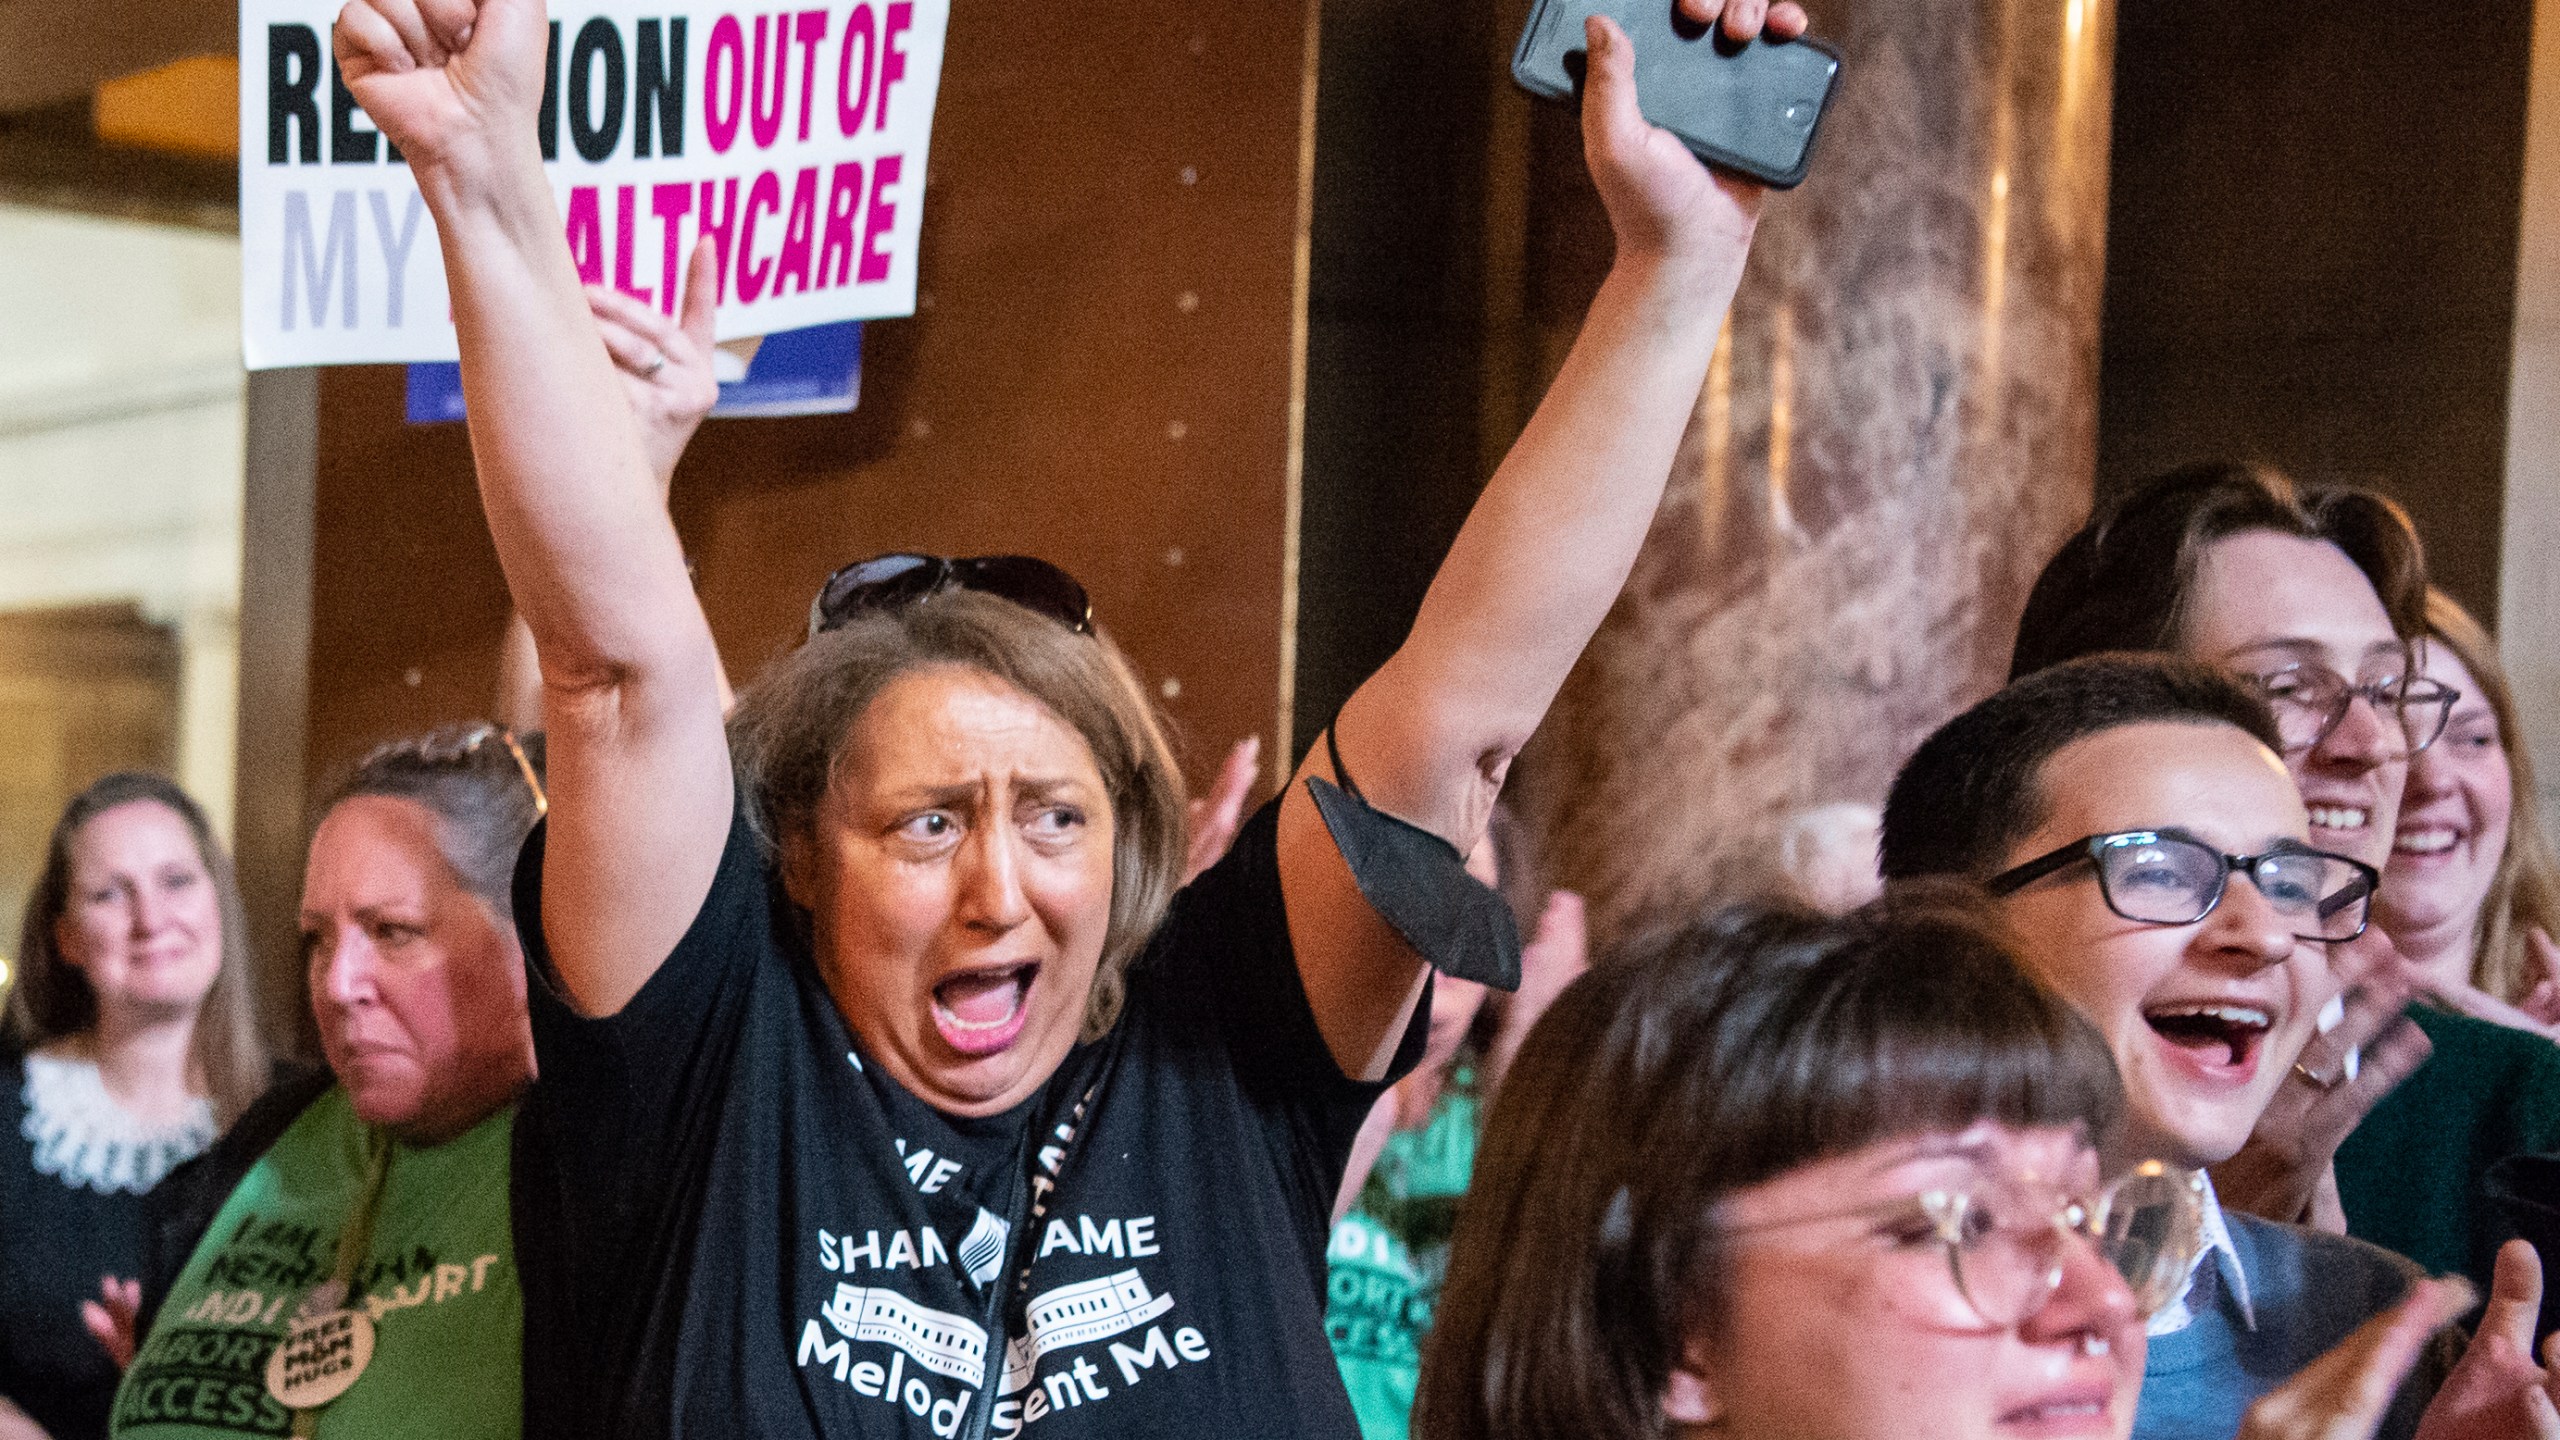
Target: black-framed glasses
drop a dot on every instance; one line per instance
(2311, 701)
(2003, 1240)
(891, 582)
(2168, 877)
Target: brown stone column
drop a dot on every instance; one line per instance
(1898, 430)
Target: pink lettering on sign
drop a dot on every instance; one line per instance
(764, 195)
(626, 217)
(835, 250)
(879, 220)
(586, 235)
(798, 232)
(719, 123)
(720, 222)
(850, 102)
(764, 121)
(893, 61)
(670, 203)
(808, 29)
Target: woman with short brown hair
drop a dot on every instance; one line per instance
(836, 1133)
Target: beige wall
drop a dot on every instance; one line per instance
(2529, 590)
(120, 445)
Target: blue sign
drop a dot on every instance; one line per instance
(816, 371)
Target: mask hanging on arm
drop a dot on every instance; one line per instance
(1418, 883)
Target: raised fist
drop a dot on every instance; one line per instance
(454, 83)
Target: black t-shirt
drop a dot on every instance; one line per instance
(727, 1223)
(57, 1238)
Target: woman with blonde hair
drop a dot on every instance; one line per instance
(132, 1040)
(2472, 893)
(889, 1087)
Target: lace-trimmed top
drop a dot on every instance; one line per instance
(83, 1138)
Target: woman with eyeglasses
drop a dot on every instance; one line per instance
(2316, 596)
(888, 1087)
(342, 1264)
(2472, 893)
(1829, 1179)
(130, 1041)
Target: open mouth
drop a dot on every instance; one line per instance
(2214, 1035)
(980, 1012)
(2340, 817)
(2425, 840)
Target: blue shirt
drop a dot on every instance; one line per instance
(2306, 1290)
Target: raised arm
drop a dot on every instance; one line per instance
(639, 764)
(666, 372)
(1543, 554)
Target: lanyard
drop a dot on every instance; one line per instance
(355, 1239)
(1010, 1293)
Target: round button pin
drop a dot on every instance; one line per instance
(320, 1358)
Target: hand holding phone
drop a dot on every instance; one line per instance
(1750, 107)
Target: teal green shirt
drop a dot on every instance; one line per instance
(1388, 1257)
(2409, 1177)
(438, 1282)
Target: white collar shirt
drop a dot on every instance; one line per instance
(2180, 1313)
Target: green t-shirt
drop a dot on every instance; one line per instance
(438, 1281)
(1389, 1255)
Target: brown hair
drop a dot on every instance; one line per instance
(792, 726)
(2124, 581)
(1587, 1254)
(1975, 787)
(2524, 895)
(52, 999)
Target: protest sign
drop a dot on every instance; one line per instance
(794, 139)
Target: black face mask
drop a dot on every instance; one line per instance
(1418, 883)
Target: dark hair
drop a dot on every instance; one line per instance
(1588, 1255)
(484, 798)
(1975, 786)
(2123, 582)
(792, 725)
(51, 998)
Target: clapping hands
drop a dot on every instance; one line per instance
(2497, 1390)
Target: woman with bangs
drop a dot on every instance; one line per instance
(1785, 1176)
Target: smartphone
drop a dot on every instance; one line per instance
(1752, 108)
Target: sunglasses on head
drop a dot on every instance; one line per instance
(455, 746)
(892, 582)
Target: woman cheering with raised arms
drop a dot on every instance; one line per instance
(887, 1087)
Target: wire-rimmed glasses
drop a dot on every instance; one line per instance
(2004, 1241)
(2310, 701)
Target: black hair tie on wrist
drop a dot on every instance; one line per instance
(1418, 883)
